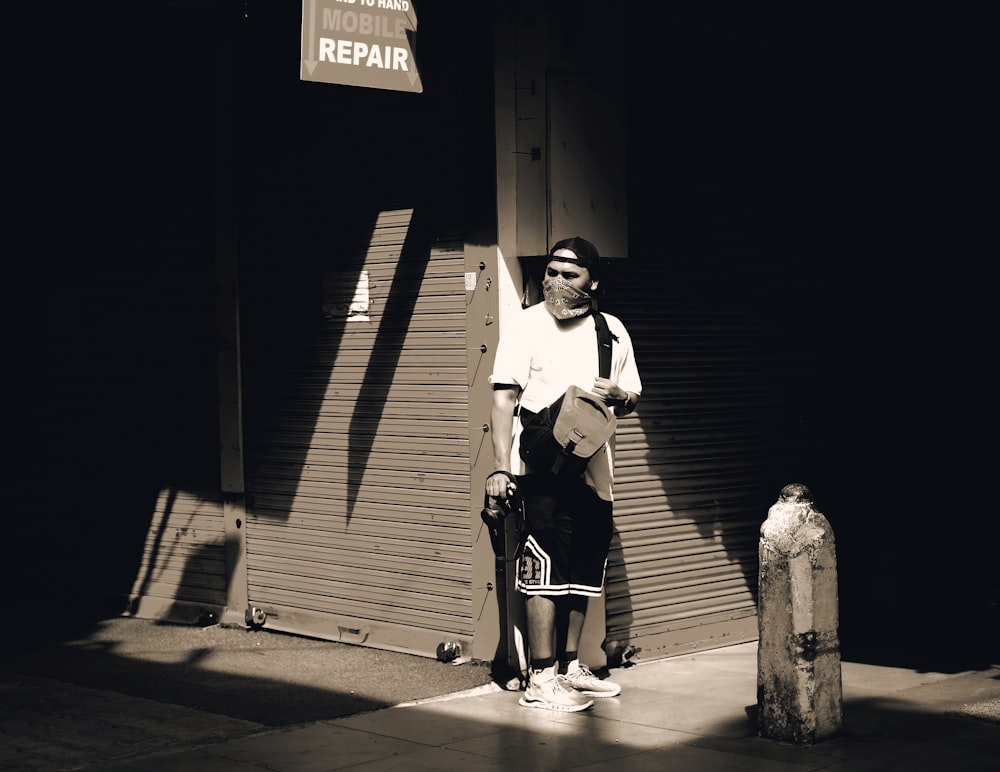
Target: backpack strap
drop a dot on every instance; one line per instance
(604, 338)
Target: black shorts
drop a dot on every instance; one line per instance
(569, 531)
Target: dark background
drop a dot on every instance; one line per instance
(108, 180)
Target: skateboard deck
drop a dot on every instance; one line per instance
(510, 664)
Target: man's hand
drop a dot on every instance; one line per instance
(500, 486)
(609, 391)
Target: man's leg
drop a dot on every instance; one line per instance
(592, 530)
(578, 675)
(545, 688)
(543, 566)
(541, 613)
(571, 611)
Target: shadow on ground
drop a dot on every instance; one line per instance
(256, 675)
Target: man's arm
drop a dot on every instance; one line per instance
(502, 431)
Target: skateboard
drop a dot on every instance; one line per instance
(505, 521)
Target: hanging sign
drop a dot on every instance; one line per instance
(360, 43)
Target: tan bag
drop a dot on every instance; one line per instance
(562, 438)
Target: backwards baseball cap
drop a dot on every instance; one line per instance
(586, 254)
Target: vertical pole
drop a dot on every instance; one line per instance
(497, 293)
(228, 332)
(799, 691)
(482, 335)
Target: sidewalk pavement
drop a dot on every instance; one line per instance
(692, 713)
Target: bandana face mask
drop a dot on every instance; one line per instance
(563, 300)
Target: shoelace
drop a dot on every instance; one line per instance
(562, 685)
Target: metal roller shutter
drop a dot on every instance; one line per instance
(683, 567)
(359, 529)
(726, 293)
(728, 414)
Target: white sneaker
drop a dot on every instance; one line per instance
(585, 682)
(552, 693)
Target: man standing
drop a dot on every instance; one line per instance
(550, 347)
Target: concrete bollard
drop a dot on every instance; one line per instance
(799, 692)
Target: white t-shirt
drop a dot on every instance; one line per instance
(544, 357)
